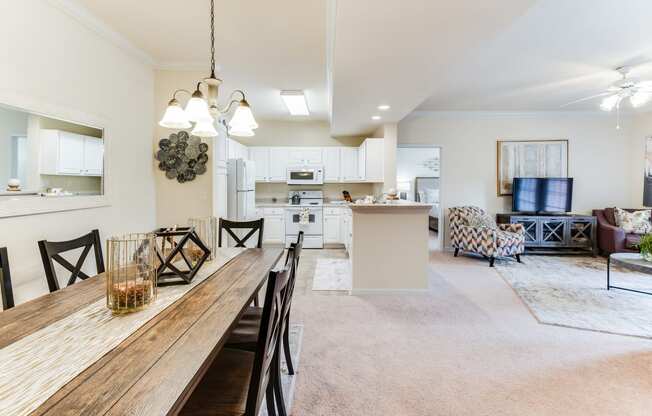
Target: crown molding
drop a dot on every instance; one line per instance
(80, 13)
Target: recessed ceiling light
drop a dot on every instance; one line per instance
(296, 103)
(375, 117)
(384, 107)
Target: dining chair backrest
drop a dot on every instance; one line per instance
(51, 251)
(5, 280)
(252, 226)
(294, 253)
(269, 335)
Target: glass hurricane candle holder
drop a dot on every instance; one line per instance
(206, 230)
(131, 272)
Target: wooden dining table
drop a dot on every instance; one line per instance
(65, 353)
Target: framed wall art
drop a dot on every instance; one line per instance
(529, 159)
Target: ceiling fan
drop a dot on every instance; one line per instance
(637, 92)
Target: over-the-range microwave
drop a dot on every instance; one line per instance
(305, 175)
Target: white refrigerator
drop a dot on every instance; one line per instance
(241, 187)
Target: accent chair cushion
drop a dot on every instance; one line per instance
(637, 222)
(482, 220)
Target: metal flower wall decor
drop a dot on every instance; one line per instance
(182, 157)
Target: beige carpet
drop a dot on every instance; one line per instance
(469, 347)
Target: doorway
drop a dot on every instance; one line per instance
(418, 179)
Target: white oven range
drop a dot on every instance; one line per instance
(305, 213)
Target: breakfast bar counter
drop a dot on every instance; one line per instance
(389, 247)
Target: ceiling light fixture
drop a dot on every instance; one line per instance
(384, 107)
(375, 118)
(295, 101)
(205, 111)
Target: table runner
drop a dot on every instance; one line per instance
(37, 366)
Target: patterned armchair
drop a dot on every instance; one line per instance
(506, 240)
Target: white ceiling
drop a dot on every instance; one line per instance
(557, 52)
(503, 55)
(262, 47)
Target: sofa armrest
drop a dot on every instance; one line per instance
(512, 228)
(479, 233)
(611, 239)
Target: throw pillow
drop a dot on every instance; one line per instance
(637, 222)
(482, 220)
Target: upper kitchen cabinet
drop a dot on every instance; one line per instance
(305, 156)
(372, 160)
(278, 164)
(349, 171)
(64, 153)
(271, 163)
(237, 150)
(332, 167)
(260, 156)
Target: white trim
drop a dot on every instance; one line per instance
(33, 205)
(80, 13)
(362, 292)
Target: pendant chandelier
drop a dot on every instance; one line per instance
(203, 112)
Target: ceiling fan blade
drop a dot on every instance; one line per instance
(602, 94)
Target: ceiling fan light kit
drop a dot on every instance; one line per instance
(638, 93)
(204, 111)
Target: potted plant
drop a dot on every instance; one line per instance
(646, 247)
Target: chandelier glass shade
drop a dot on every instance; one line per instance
(175, 117)
(204, 111)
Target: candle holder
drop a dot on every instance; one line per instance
(180, 253)
(206, 229)
(131, 272)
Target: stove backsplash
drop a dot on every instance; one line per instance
(332, 191)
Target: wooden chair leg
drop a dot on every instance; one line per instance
(286, 346)
(256, 301)
(457, 250)
(269, 398)
(491, 261)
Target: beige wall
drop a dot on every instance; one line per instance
(66, 70)
(600, 157)
(176, 202)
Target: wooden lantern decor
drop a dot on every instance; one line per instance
(181, 253)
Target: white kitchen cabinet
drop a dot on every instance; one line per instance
(362, 161)
(332, 166)
(260, 156)
(349, 165)
(332, 226)
(278, 164)
(237, 150)
(273, 226)
(373, 155)
(305, 156)
(93, 156)
(64, 153)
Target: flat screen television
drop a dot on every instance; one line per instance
(544, 195)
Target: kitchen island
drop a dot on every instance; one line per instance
(389, 247)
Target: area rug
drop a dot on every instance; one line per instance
(332, 274)
(288, 381)
(571, 292)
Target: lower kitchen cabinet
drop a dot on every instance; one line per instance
(332, 226)
(274, 225)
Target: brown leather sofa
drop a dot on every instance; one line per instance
(612, 239)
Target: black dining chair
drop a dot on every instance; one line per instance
(237, 380)
(245, 334)
(51, 252)
(5, 279)
(252, 226)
